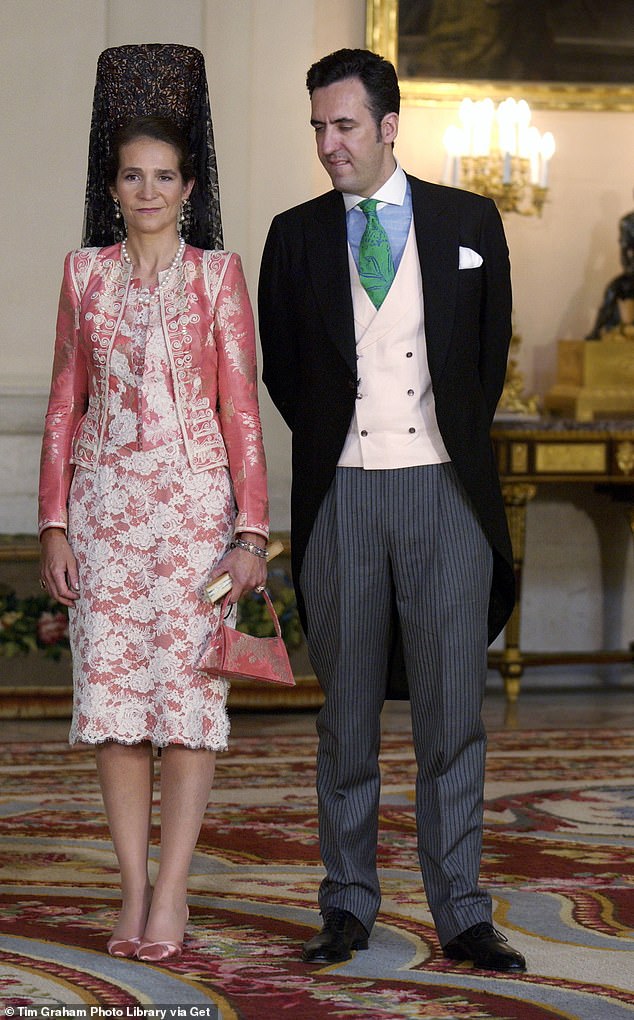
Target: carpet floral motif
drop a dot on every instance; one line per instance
(558, 860)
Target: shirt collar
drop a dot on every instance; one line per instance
(391, 193)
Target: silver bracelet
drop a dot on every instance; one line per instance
(239, 543)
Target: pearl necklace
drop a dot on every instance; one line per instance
(167, 273)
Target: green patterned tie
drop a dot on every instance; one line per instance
(376, 268)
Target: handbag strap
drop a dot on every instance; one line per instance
(269, 605)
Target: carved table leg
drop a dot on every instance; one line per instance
(625, 464)
(516, 497)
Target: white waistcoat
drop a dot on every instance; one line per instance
(394, 424)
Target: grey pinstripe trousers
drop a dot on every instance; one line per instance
(406, 539)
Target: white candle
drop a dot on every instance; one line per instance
(487, 113)
(547, 150)
(534, 145)
(466, 115)
(523, 119)
(506, 136)
(506, 169)
(506, 126)
(446, 170)
(454, 173)
(453, 140)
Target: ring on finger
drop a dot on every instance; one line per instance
(260, 588)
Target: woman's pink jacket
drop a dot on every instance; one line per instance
(208, 324)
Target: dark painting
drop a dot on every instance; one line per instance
(580, 41)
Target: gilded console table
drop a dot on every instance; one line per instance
(531, 454)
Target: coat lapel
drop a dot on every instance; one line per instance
(437, 239)
(327, 248)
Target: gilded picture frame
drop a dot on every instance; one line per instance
(382, 36)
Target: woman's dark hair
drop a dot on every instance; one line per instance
(161, 129)
(375, 73)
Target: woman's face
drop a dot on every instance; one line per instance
(149, 186)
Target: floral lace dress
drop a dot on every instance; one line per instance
(147, 533)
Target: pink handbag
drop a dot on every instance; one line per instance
(237, 656)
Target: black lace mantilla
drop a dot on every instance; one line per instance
(162, 79)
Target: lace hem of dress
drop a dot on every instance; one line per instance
(219, 749)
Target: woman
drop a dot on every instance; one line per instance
(152, 481)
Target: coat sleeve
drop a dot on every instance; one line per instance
(277, 331)
(67, 404)
(234, 337)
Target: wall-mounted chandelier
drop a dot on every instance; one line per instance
(498, 153)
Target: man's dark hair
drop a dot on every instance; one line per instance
(375, 73)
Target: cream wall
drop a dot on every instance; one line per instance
(257, 53)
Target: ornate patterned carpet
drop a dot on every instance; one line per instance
(558, 860)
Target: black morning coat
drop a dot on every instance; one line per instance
(309, 357)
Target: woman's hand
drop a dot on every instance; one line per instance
(247, 571)
(58, 567)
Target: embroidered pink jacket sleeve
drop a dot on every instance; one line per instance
(67, 403)
(234, 336)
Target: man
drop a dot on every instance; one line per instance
(385, 332)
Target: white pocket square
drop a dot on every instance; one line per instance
(468, 258)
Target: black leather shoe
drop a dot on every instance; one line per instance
(340, 934)
(486, 947)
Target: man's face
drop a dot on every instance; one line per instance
(356, 153)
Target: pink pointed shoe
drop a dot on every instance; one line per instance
(127, 948)
(161, 952)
